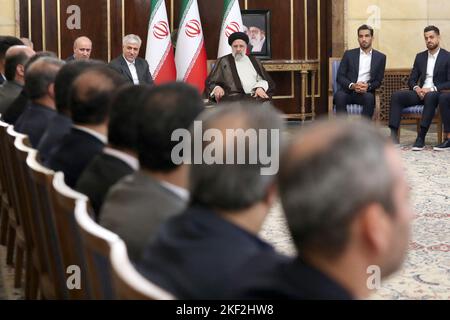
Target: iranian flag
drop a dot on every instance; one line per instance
(190, 55)
(159, 53)
(232, 22)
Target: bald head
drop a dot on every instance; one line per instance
(82, 48)
(16, 58)
(20, 49)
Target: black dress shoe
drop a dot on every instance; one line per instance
(419, 145)
(445, 146)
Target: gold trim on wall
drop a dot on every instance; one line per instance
(319, 56)
(245, 5)
(58, 19)
(172, 14)
(17, 18)
(44, 27)
(108, 12)
(292, 96)
(306, 27)
(319, 33)
(292, 29)
(29, 20)
(123, 19)
(319, 47)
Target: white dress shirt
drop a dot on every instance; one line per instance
(365, 62)
(365, 65)
(180, 192)
(133, 71)
(96, 134)
(133, 162)
(429, 83)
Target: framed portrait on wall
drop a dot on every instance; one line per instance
(257, 27)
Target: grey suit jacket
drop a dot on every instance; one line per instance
(136, 207)
(143, 70)
(8, 93)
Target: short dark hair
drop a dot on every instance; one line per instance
(90, 95)
(7, 42)
(11, 64)
(65, 79)
(366, 27)
(40, 75)
(432, 28)
(122, 131)
(163, 110)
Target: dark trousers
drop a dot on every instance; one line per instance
(444, 103)
(408, 98)
(367, 100)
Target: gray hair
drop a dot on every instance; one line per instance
(235, 186)
(323, 190)
(132, 39)
(40, 74)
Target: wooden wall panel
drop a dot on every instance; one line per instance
(23, 13)
(36, 24)
(300, 30)
(50, 25)
(94, 28)
(137, 15)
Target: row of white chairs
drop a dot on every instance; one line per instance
(48, 228)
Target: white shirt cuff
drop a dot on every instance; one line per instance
(261, 84)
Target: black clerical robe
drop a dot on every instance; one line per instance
(225, 75)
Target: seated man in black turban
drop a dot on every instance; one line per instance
(239, 76)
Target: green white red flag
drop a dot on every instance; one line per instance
(159, 53)
(190, 56)
(232, 22)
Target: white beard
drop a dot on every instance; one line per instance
(238, 56)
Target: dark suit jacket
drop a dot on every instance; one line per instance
(16, 109)
(8, 93)
(34, 121)
(100, 175)
(73, 155)
(143, 70)
(290, 279)
(2, 79)
(58, 127)
(197, 254)
(71, 58)
(349, 69)
(441, 77)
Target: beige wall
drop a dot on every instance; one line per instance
(7, 17)
(401, 24)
